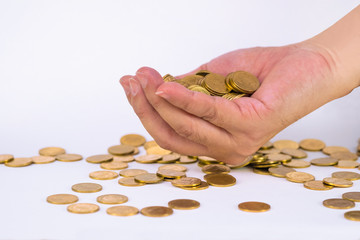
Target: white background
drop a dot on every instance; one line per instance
(60, 62)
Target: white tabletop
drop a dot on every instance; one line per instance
(59, 68)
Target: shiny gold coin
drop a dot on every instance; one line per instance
(169, 158)
(169, 78)
(166, 173)
(338, 203)
(150, 144)
(317, 185)
(157, 150)
(173, 167)
(347, 164)
(254, 207)
(156, 211)
(190, 80)
(122, 211)
(327, 161)
(62, 199)
(297, 164)
(352, 215)
(86, 187)
(241, 81)
(51, 151)
(281, 144)
(203, 185)
(112, 199)
(103, 175)
(312, 144)
(43, 159)
(352, 196)
(114, 165)
(132, 172)
(215, 84)
(337, 182)
(6, 158)
(221, 180)
(83, 208)
(120, 150)
(267, 145)
(344, 156)
(134, 140)
(125, 159)
(280, 171)
(148, 178)
(19, 162)
(186, 182)
(351, 176)
(295, 153)
(130, 182)
(278, 157)
(269, 151)
(99, 158)
(187, 160)
(262, 171)
(184, 204)
(299, 177)
(69, 157)
(331, 149)
(215, 168)
(148, 158)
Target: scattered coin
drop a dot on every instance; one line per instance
(157, 150)
(344, 156)
(281, 144)
(351, 176)
(120, 150)
(312, 144)
(134, 140)
(114, 165)
(317, 185)
(51, 151)
(156, 211)
(269, 151)
(331, 149)
(112, 199)
(86, 187)
(267, 145)
(352, 215)
(327, 161)
(295, 153)
(215, 168)
(99, 158)
(254, 207)
(186, 182)
(338, 203)
(43, 159)
(153, 158)
(347, 164)
(148, 178)
(69, 157)
(278, 157)
(184, 204)
(126, 159)
(167, 173)
(337, 182)
(221, 180)
(19, 162)
(62, 199)
(280, 171)
(82, 208)
(103, 175)
(203, 185)
(299, 177)
(150, 144)
(6, 158)
(187, 160)
(132, 172)
(122, 211)
(297, 164)
(169, 158)
(130, 182)
(262, 171)
(173, 167)
(352, 196)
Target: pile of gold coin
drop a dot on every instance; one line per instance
(234, 85)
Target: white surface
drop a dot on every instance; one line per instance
(59, 68)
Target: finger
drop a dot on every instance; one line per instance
(124, 81)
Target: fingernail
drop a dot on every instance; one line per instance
(142, 79)
(134, 88)
(125, 84)
(162, 94)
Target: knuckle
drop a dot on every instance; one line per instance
(185, 130)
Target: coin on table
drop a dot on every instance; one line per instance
(299, 177)
(62, 199)
(280, 171)
(134, 140)
(297, 164)
(132, 172)
(19, 162)
(269, 151)
(317, 185)
(281, 144)
(187, 160)
(331, 149)
(122, 211)
(221, 180)
(156, 211)
(184, 204)
(148, 178)
(267, 145)
(166, 173)
(120, 150)
(327, 161)
(295, 153)
(6, 158)
(103, 175)
(337, 182)
(278, 157)
(150, 144)
(86, 187)
(215, 168)
(352, 196)
(262, 171)
(130, 182)
(352, 215)
(83, 208)
(153, 158)
(347, 164)
(186, 182)
(254, 206)
(69, 157)
(338, 203)
(157, 150)
(203, 185)
(351, 176)
(43, 159)
(169, 158)
(112, 199)
(344, 156)
(173, 167)
(114, 165)
(51, 151)
(312, 144)
(125, 159)
(99, 158)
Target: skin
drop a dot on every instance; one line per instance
(295, 80)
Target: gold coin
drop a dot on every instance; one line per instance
(215, 84)
(207, 160)
(242, 81)
(6, 158)
(82, 208)
(327, 161)
(132, 172)
(173, 167)
(351, 176)
(295, 153)
(347, 164)
(186, 182)
(157, 150)
(120, 150)
(130, 182)
(86, 187)
(254, 207)
(62, 199)
(99, 158)
(299, 177)
(122, 211)
(262, 171)
(267, 145)
(331, 149)
(187, 160)
(190, 80)
(19, 162)
(281, 144)
(134, 140)
(344, 156)
(103, 175)
(337, 182)
(167, 173)
(150, 144)
(43, 159)
(184, 204)
(125, 159)
(148, 178)
(352, 196)
(280, 171)
(312, 144)
(69, 157)
(136, 152)
(215, 168)
(51, 151)
(112, 199)
(169, 158)
(338, 203)
(272, 158)
(114, 165)
(197, 88)
(203, 185)
(269, 151)
(297, 164)
(153, 158)
(221, 180)
(317, 185)
(352, 215)
(156, 211)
